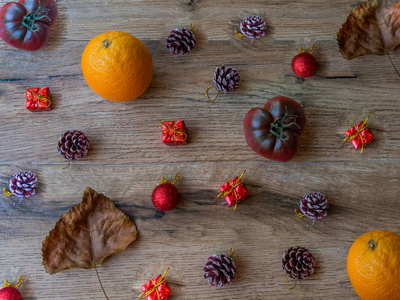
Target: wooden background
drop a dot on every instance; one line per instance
(126, 158)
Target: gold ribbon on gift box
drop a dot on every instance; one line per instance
(44, 100)
(159, 282)
(238, 182)
(358, 134)
(175, 131)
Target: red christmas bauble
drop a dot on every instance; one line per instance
(10, 293)
(165, 196)
(304, 65)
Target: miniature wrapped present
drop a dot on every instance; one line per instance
(234, 191)
(174, 133)
(359, 135)
(38, 99)
(156, 289)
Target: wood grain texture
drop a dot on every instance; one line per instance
(127, 158)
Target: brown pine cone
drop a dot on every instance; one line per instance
(23, 184)
(181, 41)
(314, 206)
(298, 262)
(253, 27)
(226, 79)
(219, 270)
(73, 144)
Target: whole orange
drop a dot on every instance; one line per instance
(117, 66)
(373, 265)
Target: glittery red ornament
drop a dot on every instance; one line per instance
(10, 293)
(10, 290)
(304, 64)
(165, 196)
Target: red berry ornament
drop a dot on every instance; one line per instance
(304, 64)
(10, 291)
(165, 196)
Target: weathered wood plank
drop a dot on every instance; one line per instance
(262, 227)
(124, 131)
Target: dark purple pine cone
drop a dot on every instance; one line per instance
(181, 41)
(253, 27)
(226, 79)
(23, 184)
(219, 270)
(73, 144)
(314, 206)
(298, 262)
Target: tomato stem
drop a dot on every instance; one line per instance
(30, 18)
(278, 125)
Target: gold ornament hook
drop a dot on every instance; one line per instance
(313, 48)
(216, 97)
(287, 284)
(299, 214)
(177, 176)
(61, 167)
(7, 192)
(7, 284)
(239, 34)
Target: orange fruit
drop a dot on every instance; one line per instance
(373, 265)
(117, 66)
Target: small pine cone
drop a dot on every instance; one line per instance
(298, 262)
(181, 41)
(314, 206)
(23, 184)
(73, 144)
(253, 27)
(219, 270)
(226, 79)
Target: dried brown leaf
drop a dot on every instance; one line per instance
(371, 28)
(91, 231)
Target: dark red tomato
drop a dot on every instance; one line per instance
(26, 24)
(274, 131)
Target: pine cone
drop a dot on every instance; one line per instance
(253, 27)
(23, 184)
(298, 262)
(219, 270)
(181, 41)
(73, 144)
(314, 206)
(226, 79)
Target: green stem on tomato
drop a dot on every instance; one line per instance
(278, 125)
(30, 18)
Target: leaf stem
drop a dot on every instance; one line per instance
(101, 285)
(398, 74)
(94, 264)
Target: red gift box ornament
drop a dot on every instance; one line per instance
(233, 191)
(38, 99)
(174, 133)
(156, 289)
(359, 135)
